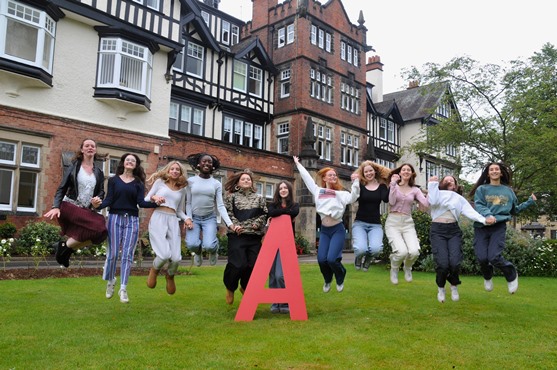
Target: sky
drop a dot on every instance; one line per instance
(406, 33)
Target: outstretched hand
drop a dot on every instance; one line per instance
(53, 213)
(296, 159)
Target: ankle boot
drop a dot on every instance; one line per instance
(229, 296)
(152, 278)
(170, 284)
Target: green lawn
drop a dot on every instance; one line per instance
(69, 324)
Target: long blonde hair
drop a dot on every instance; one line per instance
(162, 174)
(381, 172)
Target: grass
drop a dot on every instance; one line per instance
(69, 324)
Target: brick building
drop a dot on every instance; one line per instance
(165, 79)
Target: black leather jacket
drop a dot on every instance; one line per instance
(68, 186)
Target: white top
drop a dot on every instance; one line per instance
(442, 200)
(203, 195)
(174, 199)
(86, 183)
(329, 202)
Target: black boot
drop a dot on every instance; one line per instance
(63, 254)
(66, 256)
(367, 261)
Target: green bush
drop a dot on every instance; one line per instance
(302, 245)
(531, 256)
(34, 233)
(422, 221)
(223, 244)
(7, 230)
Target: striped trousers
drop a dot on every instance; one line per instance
(123, 232)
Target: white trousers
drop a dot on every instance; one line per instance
(166, 240)
(403, 238)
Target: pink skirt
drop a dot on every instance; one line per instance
(82, 224)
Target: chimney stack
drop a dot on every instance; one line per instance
(374, 75)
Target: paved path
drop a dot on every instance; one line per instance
(28, 262)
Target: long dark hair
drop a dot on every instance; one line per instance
(397, 170)
(277, 200)
(195, 159)
(506, 176)
(138, 171)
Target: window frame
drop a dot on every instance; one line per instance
(116, 56)
(45, 33)
(18, 168)
(199, 62)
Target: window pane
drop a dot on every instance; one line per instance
(47, 51)
(6, 188)
(185, 119)
(240, 74)
(255, 80)
(21, 41)
(194, 63)
(173, 116)
(27, 190)
(7, 152)
(30, 155)
(130, 73)
(106, 69)
(113, 166)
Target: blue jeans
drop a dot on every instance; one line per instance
(367, 238)
(208, 226)
(329, 253)
(276, 276)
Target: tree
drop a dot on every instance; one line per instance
(505, 113)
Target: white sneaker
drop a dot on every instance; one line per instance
(340, 287)
(110, 288)
(513, 285)
(408, 274)
(454, 293)
(326, 287)
(441, 295)
(394, 276)
(197, 259)
(213, 257)
(488, 285)
(123, 296)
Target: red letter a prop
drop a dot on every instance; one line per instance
(279, 237)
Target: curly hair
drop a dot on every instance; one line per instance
(195, 159)
(381, 172)
(231, 184)
(506, 176)
(163, 175)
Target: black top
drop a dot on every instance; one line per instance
(275, 210)
(124, 197)
(369, 203)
